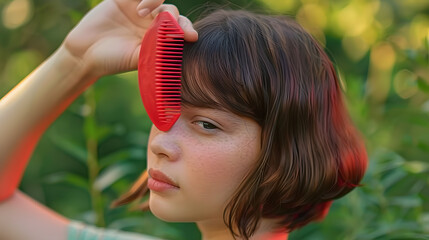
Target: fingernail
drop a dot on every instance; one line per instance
(141, 4)
(143, 12)
(196, 34)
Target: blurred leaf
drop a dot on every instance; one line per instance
(406, 201)
(416, 167)
(75, 16)
(425, 221)
(106, 131)
(16, 68)
(88, 217)
(114, 157)
(393, 178)
(423, 146)
(103, 132)
(70, 178)
(113, 174)
(70, 147)
(393, 231)
(121, 155)
(422, 85)
(93, 3)
(139, 138)
(386, 160)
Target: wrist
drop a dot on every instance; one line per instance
(74, 73)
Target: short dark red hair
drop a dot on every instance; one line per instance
(270, 69)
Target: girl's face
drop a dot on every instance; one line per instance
(206, 154)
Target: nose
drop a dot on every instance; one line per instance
(165, 145)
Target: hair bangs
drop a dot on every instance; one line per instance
(197, 83)
(212, 75)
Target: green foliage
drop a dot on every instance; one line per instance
(97, 148)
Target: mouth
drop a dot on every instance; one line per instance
(158, 181)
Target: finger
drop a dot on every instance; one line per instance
(190, 34)
(147, 6)
(166, 8)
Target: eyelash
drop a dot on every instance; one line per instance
(205, 124)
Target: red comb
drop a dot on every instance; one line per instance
(160, 70)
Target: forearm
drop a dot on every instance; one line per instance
(31, 107)
(24, 218)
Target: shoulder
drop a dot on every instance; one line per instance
(81, 231)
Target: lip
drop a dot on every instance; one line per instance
(160, 182)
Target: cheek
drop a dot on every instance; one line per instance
(219, 168)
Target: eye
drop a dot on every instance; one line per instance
(206, 125)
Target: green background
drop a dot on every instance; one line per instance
(380, 49)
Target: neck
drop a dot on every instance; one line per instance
(217, 230)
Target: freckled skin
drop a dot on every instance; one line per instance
(208, 165)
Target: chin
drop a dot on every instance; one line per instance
(168, 211)
(165, 209)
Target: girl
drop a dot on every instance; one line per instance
(262, 147)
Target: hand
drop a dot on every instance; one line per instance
(108, 38)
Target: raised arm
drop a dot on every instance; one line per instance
(106, 41)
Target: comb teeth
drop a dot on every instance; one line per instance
(168, 72)
(160, 70)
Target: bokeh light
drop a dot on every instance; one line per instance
(17, 13)
(419, 29)
(313, 18)
(382, 60)
(405, 83)
(281, 6)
